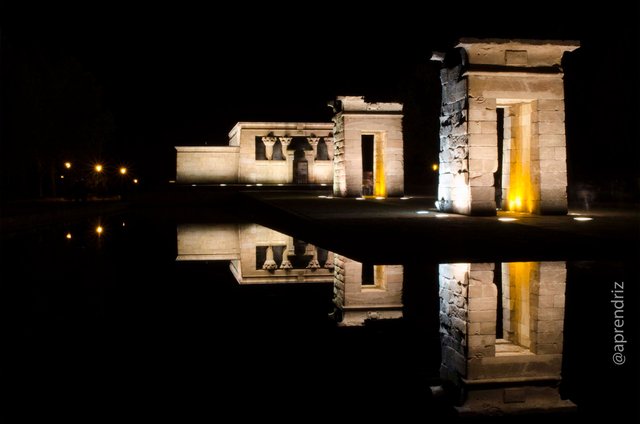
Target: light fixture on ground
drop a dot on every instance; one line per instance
(507, 219)
(422, 212)
(441, 215)
(583, 218)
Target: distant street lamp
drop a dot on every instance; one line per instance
(67, 165)
(135, 181)
(123, 170)
(98, 168)
(99, 230)
(434, 167)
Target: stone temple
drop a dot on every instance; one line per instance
(502, 131)
(502, 138)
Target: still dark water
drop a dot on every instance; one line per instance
(112, 326)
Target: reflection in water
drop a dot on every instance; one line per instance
(503, 358)
(259, 255)
(364, 291)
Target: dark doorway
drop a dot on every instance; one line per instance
(300, 168)
(367, 164)
(497, 177)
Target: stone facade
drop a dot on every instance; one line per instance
(257, 255)
(357, 301)
(520, 81)
(262, 153)
(520, 370)
(355, 118)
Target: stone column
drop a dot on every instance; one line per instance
(329, 262)
(269, 263)
(268, 143)
(310, 157)
(329, 142)
(313, 263)
(285, 141)
(286, 264)
(314, 143)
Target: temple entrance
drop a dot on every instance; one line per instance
(373, 179)
(300, 168)
(517, 179)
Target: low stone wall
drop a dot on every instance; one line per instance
(207, 164)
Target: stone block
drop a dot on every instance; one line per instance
(553, 179)
(544, 301)
(550, 116)
(556, 326)
(550, 105)
(483, 304)
(481, 179)
(482, 328)
(558, 301)
(551, 128)
(482, 316)
(483, 152)
(514, 395)
(482, 113)
(548, 338)
(553, 165)
(483, 165)
(483, 140)
(481, 266)
(548, 314)
(481, 277)
(482, 194)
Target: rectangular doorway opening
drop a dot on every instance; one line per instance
(497, 177)
(517, 179)
(367, 164)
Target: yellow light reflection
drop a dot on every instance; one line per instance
(520, 274)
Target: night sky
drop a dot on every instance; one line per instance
(160, 77)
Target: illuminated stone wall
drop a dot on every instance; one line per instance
(357, 302)
(354, 118)
(207, 164)
(524, 79)
(278, 135)
(238, 162)
(522, 367)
